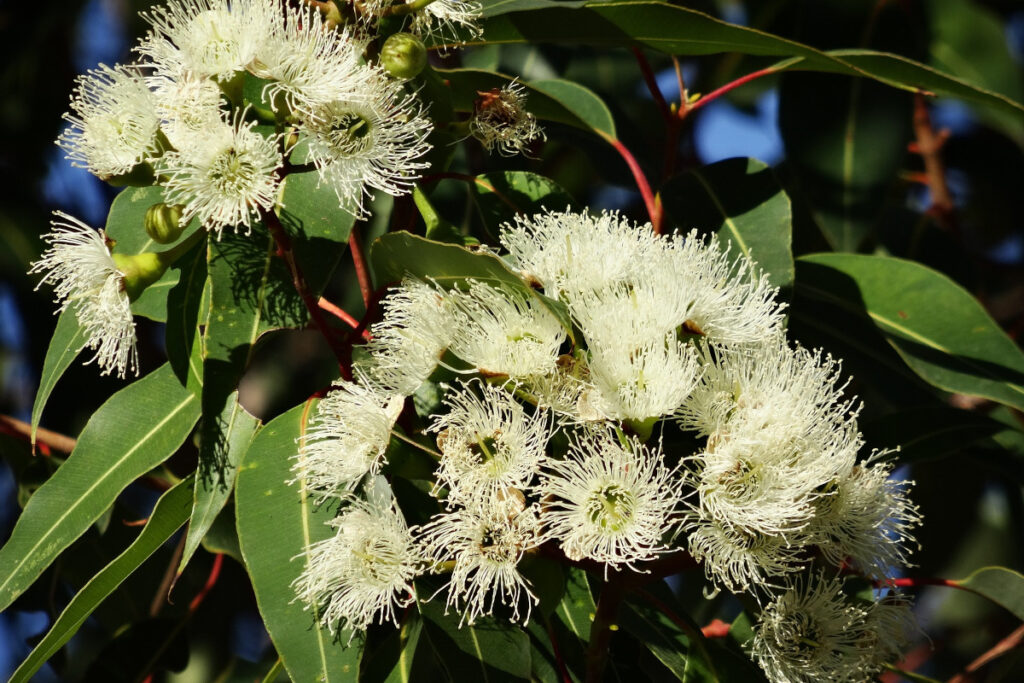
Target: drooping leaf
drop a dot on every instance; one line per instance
(490, 650)
(135, 430)
(682, 31)
(502, 195)
(212, 492)
(317, 225)
(67, 341)
(277, 520)
(936, 326)
(742, 201)
(1000, 585)
(170, 513)
(398, 254)
(392, 661)
(183, 305)
(582, 102)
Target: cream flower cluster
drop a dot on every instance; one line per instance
(563, 401)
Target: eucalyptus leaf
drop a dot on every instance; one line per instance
(1001, 585)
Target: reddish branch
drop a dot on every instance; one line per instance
(1007, 644)
(342, 315)
(284, 250)
(929, 145)
(211, 581)
(652, 85)
(23, 430)
(652, 202)
(359, 261)
(715, 94)
(909, 582)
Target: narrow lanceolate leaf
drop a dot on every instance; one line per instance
(393, 659)
(1000, 585)
(183, 304)
(582, 102)
(928, 433)
(135, 430)
(125, 226)
(502, 195)
(679, 30)
(67, 341)
(742, 201)
(397, 254)
(277, 520)
(212, 489)
(170, 513)
(936, 326)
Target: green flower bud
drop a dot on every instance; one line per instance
(140, 271)
(163, 222)
(403, 55)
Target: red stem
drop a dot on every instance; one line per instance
(284, 248)
(726, 88)
(652, 202)
(211, 581)
(359, 261)
(908, 582)
(652, 85)
(342, 315)
(562, 670)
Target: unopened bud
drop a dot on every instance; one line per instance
(163, 222)
(140, 271)
(403, 55)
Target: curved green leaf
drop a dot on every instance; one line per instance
(134, 431)
(489, 651)
(936, 326)
(581, 101)
(742, 201)
(929, 433)
(1000, 585)
(183, 305)
(503, 194)
(277, 521)
(682, 31)
(67, 341)
(212, 492)
(397, 254)
(170, 513)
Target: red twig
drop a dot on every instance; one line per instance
(909, 582)
(284, 248)
(652, 202)
(359, 261)
(715, 94)
(929, 145)
(44, 437)
(211, 581)
(562, 669)
(1007, 644)
(716, 629)
(342, 315)
(652, 85)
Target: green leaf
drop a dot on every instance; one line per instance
(183, 304)
(489, 651)
(397, 254)
(677, 30)
(550, 100)
(134, 431)
(577, 609)
(237, 429)
(936, 326)
(67, 341)
(125, 225)
(167, 516)
(929, 433)
(277, 520)
(1002, 586)
(392, 661)
(742, 201)
(503, 194)
(319, 228)
(666, 641)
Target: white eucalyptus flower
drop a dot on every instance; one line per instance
(488, 443)
(567, 251)
(365, 571)
(485, 543)
(733, 303)
(867, 521)
(448, 19)
(224, 177)
(348, 437)
(740, 560)
(610, 500)
(207, 38)
(373, 140)
(115, 123)
(408, 342)
(86, 279)
(813, 632)
(504, 332)
(188, 107)
(500, 120)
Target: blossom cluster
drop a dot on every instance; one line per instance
(224, 98)
(565, 393)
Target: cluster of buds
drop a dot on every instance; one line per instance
(560, 434)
